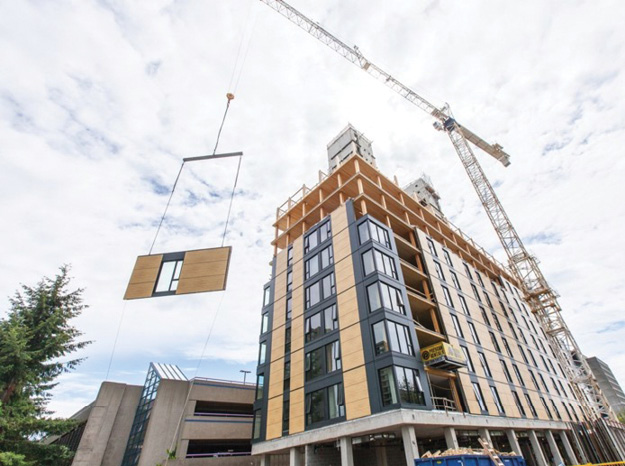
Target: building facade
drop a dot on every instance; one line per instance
(208, 422)
(608, 384)
(387, 332)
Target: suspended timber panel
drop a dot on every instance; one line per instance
(143, 277)
(178, 273)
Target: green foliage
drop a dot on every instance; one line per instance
(35, 339)
(621, 416)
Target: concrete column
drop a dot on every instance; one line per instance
(555, 451)
(580, 448)
(380, 456)
(410, 444)
(538, 452)
(483, 432)
(295, 457)
(347, 454)
(567, 447)
(450, 437)
(265, 460)
(514, 442)
(308, 453)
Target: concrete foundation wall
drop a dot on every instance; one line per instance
(104, 439)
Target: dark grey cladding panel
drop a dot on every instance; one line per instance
(375, 363)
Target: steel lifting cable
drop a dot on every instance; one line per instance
(230, 97)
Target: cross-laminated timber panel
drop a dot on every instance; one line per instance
(375, 194)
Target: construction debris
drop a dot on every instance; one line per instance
(462, 451)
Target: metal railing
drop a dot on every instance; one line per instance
(443, 404)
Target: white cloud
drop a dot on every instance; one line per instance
(99, 101)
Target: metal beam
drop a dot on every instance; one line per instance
(214, 156)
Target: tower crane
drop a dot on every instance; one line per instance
(540, 296)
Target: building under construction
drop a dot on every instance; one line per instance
(387, 333)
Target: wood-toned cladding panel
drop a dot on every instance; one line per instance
(204, 270)
(297, 370)
(296, 411)
(276, 383)
(143, 278)
(356, 393)
(274, 417)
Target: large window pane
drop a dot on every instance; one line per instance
(313, 327)
(379, 338)
(336, 405)
(387, 386)
(367, 262)
(330, 318)
(373, 293)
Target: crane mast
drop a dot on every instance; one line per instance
(540, 296)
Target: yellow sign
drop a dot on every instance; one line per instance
(440, 352)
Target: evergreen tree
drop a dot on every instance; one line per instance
(36, 337)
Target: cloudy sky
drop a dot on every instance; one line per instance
(100, 100)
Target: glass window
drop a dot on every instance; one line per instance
(447, 258)
(333, 356)
(262, 354)
(327, 257)
(542, 381)
(363, 232)
(484, 364)
(488, 301)
(285, 417)
(448, 300)
(287, 340)
(311, 266)
(264, 325)
(475, 293)
(382, 295)
(256, 428)
(534, 379)
(336, 404)
(324, 232)
(476, 339)
(518, 374)
(522, 353)
(454, 279)
(387, 386)
(485, 316)
(289, 281)
(494, 340)
(432, 247)
(287, 376)
(497, 324)
(315, 406)
(463, 304)
(399, 337)
(409, 385)
(266, 296)
(260, 380)
(311, 241)
(439, 271)
(314, 363)
(531, 405)
(497, 400)
(467, 270)
(289, 308)
(517, 401)
(379, 338)
(368, 262)
(542, 400)
(312, 327)
(168, 276)
(328, 286)
(505, 345)
(513, 331)
(479, 278)
(373, 260)
(330, 318)
(457, 327)
(506, 372)
(289, 256)
(478, 395)
(313, 294)
(465, 350)
(555, 409)
(369, 230)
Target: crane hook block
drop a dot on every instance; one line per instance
(229, 96)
